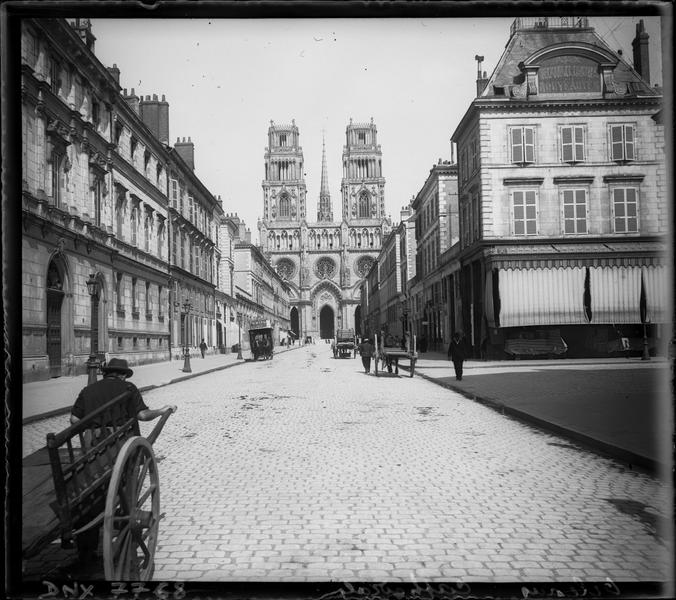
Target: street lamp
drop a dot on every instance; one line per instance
(93, 287)
(186, 350)
(239, 344)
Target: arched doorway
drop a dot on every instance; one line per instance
(294, 322)
(357, 321)
(55, 295)
(326, 320)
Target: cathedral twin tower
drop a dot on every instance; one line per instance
(323, 261)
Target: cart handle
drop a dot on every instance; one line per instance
(154, 434)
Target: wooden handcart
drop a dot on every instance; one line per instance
(391, 355)
(99, 471)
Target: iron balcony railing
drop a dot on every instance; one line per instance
(521, 23)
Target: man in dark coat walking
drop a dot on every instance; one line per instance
(366, 350)
(456, 353)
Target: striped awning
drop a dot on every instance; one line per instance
(540, 297)
(656, 285)
(615, 294)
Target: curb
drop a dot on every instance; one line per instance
(66, 409)
(653, 467)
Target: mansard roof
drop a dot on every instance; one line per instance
(528, 47)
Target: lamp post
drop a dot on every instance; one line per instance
(93, 287)
(239, 343)
(186, 350)
(645, 355)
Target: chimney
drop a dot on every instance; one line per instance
(132, 99)
(186, 150)
(247, 236)
(115, 72)
(641, 56)
(480, 81)
(155, 115)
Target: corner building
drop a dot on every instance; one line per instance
(324, 261)
(563, 205)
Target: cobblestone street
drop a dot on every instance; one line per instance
(304, 468)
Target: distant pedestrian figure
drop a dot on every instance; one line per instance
(456, 353)
(203, 347)
(366, 351)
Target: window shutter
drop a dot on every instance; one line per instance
(517, 145)
(529, 145)
(567, 144)
(617, 144)
(629, 142)
(579, 143)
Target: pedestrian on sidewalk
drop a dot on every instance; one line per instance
(116, 371)
(366, 352)
(203, 347)
(456, 353)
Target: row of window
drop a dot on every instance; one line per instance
(524, 212)
(575, 209)
(427, 216)
(572, 144)
(191, 210)
(200, 261)
(134, 292)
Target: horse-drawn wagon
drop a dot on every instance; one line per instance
(260, 339)
(344, 344)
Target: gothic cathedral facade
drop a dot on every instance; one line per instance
(324, 261)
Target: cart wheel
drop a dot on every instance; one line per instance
(132, 514)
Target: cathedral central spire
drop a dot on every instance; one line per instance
(324, 212)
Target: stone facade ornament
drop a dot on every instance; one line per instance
(325, 268)
(363, 266)
(286, 268)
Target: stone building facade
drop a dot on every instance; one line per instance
(563, 208)
(323, 261)
(95, 206)
(435, 209)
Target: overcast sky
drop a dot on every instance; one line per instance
(226, 79)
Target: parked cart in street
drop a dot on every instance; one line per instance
(391, 355)
(344, 344)
(260, 339)
(99, 471)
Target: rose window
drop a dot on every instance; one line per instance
(325, 268)
(286, 268)
(364, 265)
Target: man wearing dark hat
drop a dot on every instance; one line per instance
(92, 397)
(114, 383)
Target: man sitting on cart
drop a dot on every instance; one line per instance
(95, 395)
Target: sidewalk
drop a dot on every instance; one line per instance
(618, 406)
(56, 396)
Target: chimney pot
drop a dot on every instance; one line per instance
(154, 96)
